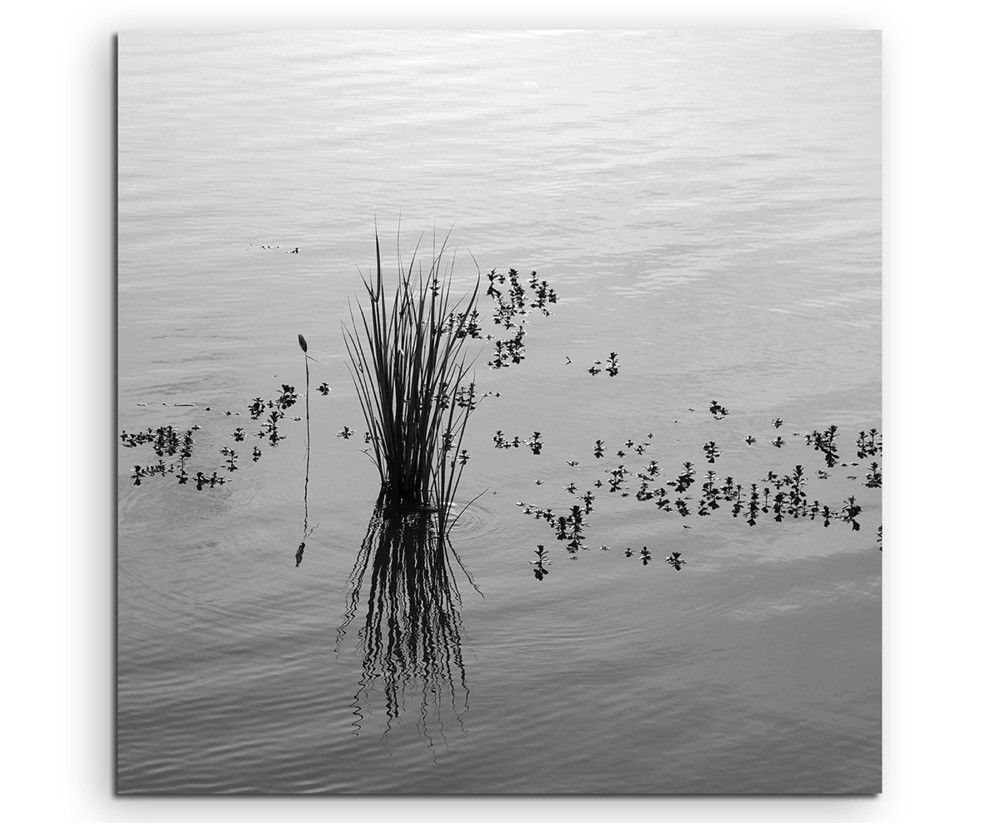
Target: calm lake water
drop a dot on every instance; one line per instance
(707, 205)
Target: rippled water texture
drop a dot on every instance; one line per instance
(707, 206)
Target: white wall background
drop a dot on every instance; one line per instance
(941, 567)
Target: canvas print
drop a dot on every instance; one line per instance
(499, 412)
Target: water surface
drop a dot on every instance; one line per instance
(707, 205)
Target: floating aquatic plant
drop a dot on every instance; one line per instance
(780, 497)
(612, 365)
(541, 561)
(675, 560)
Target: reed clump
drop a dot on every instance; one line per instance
(409, 363)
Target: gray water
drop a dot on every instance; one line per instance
(707, 205)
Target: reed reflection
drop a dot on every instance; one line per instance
(306, 531)
(410, 642)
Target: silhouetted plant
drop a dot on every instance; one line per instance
(408, 366)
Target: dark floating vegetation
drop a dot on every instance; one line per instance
(412, 372)
(231, 456)
(170, 442)
(824, 442)
(869, 443)
(873, 480)
(674, 559)
(540, 562)
(534, 443)
(610, 366)
(775, 496)
(511, 306)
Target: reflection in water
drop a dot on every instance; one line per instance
(411, 638)
(306, 531)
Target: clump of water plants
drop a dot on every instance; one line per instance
(717, 410)
(823, 441)
(869, 443)
(170, 442)
(511, 301)
(540, 562)
(776, 496)
(873, 480)
(534, 443)
(409, 366)
(612, 365)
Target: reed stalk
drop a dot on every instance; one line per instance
(305, 486)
